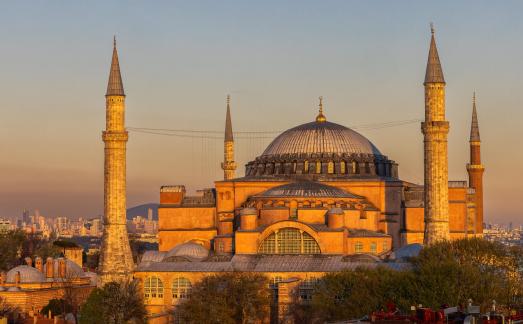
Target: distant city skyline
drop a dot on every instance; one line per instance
(179, 61)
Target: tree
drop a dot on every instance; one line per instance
(453, 272)
(227, 298)
(11, 243)
(57, 307)
(6, 309)
(354, 294)
(115, 303)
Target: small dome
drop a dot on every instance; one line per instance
(306, 189)
(27, 274)
(408, 251)
(320, 137)
(189, 250)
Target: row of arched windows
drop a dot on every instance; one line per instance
(153, 288)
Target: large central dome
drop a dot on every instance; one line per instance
(321, 150)
(320, 137)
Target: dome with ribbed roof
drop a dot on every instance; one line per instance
(27, 274)
(321, 150)
(320, 137)
(188, 250)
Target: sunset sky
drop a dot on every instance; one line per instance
(180, 59)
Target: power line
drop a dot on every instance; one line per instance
(211, 134)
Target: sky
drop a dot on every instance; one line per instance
(179, 60)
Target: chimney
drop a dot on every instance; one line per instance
(62, 267)
(38, 264)
(17, 278)
(49, 268)
(29, 261)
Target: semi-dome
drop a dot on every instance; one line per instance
(188, 250)
(320, 137)
(305, 189)
(27, 274)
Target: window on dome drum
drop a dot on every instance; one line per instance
(358, 247)
(306, 166)
(342, 167)
(330, 168)
(318, 167)
(354, 167)
(289, 241)
(181, 288)
(153, 288)
(373, 247)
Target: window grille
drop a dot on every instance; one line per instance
(289, 241)
(153, 288)
(181, 288)
(358, 247)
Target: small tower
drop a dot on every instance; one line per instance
(116, 262)
(475, 169)
(228, 165)
(435, 129)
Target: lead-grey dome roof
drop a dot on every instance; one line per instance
(27, 274)
(320, 137)
(190, 250)
(305, 189)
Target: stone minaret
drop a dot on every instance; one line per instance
(228, 165)
(116, 262)
(475, 169)
(435, 129)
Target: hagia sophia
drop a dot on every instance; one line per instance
(320, 198)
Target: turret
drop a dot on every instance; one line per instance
(475, 169)
(228, 165)
(435, 129)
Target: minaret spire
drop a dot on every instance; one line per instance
(228, 123)
(475, 169)
(434, 72)
(115, 85)
(228, 165)
(435, 130)
(474, 127)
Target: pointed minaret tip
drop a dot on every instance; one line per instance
(434, 72)
(115, 84)
(474, 127)
(228, 123)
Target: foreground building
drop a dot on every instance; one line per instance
(320, 198)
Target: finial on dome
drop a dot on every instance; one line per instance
(321, 117)
(432, 28)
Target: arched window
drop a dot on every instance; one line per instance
(153, 288)
(373, 247)
(273, 282)
(289, 241)
(306, 166)
(343, 166)
(358, 247)
(330, 167)
(181, 289)
(354, 167)
(318, 167)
